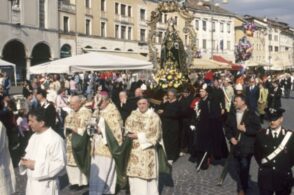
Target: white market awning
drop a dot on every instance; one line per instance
(91, 62)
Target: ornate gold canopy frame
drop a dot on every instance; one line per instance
(171, 7)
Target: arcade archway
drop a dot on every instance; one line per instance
(65, 51)
(40, 54)
(14, 51)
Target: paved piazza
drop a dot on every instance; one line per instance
(185, 180)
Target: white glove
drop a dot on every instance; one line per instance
(192, 127)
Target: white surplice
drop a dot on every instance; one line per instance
(47, 149)
(7, 177)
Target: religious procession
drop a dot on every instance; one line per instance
(99, 123)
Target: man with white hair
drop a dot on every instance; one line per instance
(75, 123)
(144, 127)
(103, 173)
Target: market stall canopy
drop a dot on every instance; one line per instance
(5, 64)
(206, 64)
(223, 60)
(128, 54)
(91, 62)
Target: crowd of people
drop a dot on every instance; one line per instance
(63, 122)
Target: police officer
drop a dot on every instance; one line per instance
(274, 152)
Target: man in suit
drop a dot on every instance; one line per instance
(47, 107)
(241, 127)
(274, 152)
(286, 83)
(252, 95)
(274, 96)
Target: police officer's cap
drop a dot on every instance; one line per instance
(275, 113)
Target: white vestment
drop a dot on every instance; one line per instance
(103, 172)
(143, 168)
(76, 176)
(102, 176)
(140, 186)
(7, 177)
(47, 149)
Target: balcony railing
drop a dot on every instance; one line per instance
(67, 7)
(124, 19)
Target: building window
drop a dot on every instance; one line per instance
(142, 14)
(88, 27)
(176, 20)
(123, 32)
(129, 33)
(214, 44)
(42, 13)
(221, 45)
(204, 44)
(103, 29)
(204, 27)
(129, 11)
(270, 37)
(116, 31)
(165, 18)
(88, 3)
(197, 24)
(197, 43)
(160, 18)
(66, 24)
(229, 28)
(222, 27)
(213, 26)
(142, 35)
(15, 4)
(276, 38)
(160, 36)
(123, 10)
(116, 8)
(228, 45)
(276, 48)
(270, 48)
(103, 5)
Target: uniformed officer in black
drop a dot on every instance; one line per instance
(274, 152)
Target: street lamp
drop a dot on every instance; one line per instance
(213, 4)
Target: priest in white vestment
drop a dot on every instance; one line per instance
(7, 177)
(144, 127)
(75, 122)
(45, 158)
(103, 172)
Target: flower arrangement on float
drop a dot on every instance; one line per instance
(169, 77)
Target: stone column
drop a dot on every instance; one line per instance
(28, 65)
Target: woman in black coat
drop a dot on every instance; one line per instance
(210, 140)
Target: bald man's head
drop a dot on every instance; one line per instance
(138, 92)
(75, 103)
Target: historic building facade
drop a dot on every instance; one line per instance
(215, 29)
(29, 33)
(104, 25)
(273, 44)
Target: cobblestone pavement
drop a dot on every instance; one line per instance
(185, 180)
